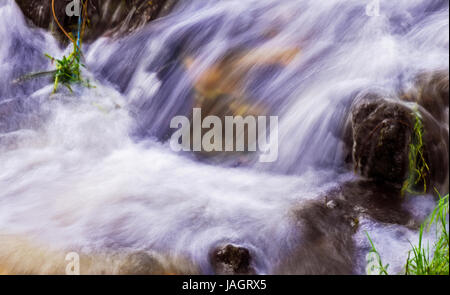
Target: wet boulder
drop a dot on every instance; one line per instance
(384, 131)
(231, 259)
(106, 17)
(431, 91)
(323, 229)
(323, 243)
(223, 89)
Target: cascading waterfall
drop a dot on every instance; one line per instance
(93, 170)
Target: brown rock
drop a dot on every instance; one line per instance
(140, 263)
(110, 17)
(431, 91)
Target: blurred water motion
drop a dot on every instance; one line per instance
(95, 172)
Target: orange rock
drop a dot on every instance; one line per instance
(228, 75)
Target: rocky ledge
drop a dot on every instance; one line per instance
(106, 17)
(381, 131)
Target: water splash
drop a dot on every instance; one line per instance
(94, 170)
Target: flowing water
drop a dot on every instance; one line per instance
(93, 170)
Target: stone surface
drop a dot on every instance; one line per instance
(323, 241)
(431, 91)
(231, 259)
(382, 130)
(106, 17)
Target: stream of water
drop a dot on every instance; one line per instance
(93, 170)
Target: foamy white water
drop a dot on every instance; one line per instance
(93, 170)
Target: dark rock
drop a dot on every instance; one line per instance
(324, 228)
(379, 201)
(106, 17)
(324, 244)
(382, 131)
(431, 91)
(231, 259)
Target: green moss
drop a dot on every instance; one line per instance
(418, 167)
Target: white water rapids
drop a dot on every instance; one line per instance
(76, 171)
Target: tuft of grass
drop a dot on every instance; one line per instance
(435, 261)
(424, 260)
(68, 70)
(418, 167)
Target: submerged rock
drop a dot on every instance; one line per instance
(324, 245)
(231, 259)
(106, 17)
(222, 89)
(140, 263)
(324, 228)
(431, 91)
(23, 255)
